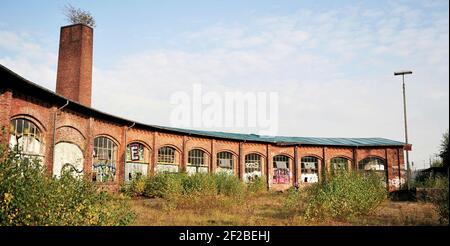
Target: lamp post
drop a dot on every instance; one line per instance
(403, 73)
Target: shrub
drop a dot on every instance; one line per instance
(294, 201)
(441, 203)
(136, 187)
(29, 197)
(229, 185)
(344, 195)
(200, 183)
(257, 185)
(164, 185)
(425, 181)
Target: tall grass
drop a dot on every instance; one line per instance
(340, 196)
(345, 195)
(441, 202)
(200, 189)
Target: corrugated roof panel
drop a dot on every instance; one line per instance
(290, 140)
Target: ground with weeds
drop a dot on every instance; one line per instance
(267, 209)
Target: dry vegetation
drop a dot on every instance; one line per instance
(267, 209)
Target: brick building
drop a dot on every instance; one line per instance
(65, 132)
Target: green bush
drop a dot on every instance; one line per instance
(30, 197)
(136, 187)
(164, 185)
(200, 183)
(344, 195)
(229, 185)
(441, 203)
(424, 181)
(294, 201)
(204, 184)
(257, 185)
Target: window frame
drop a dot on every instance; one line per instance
(105, 145)
(225, 155)
(282, 171)
(250, 158)
(340, 158)
(167, 155)
(20, 135)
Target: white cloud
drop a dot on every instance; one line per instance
(28, 57)
(333, 71)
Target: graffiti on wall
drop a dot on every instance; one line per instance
(104, 171)
(166, 168)
(68, 157)
(135, 170)
(228, 171)
(309, 177)
(196, 169)
(281, 174)
(136, 165)
(135, 152)
(396, 182)
(253, 171)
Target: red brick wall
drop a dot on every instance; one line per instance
(74, 76)
(5, 109)
(81, 130)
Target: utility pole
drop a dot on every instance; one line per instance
(402, 73)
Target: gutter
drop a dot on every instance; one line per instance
(125, 149)
(54, 129)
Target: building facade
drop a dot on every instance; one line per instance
(64, 132)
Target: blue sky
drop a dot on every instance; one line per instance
(331, 62)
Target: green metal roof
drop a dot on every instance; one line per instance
(355, 142)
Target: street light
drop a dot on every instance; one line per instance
(403, 73)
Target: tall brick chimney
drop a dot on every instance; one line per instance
(74, 77)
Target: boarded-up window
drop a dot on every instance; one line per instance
(167, 160)
(197, 162)
(281, 172)
(104, 160)
(309, 169)
(339, 164)
(136, 161)
(225, 162)
(252, 167)
(27, 137)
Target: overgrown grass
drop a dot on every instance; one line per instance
(438, 182)
(269, 209)
(30, 197)
(440, 200)
(441, 203)
(345, 195)
(201, 189)
(341, 196)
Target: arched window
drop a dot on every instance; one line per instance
(310, 169)
(197, 162)
(252, 167)
(167, 160)
(27, 137)
(338, 164)
(105, 160)
(225, 162)
(372, 164)
(69, 158)
(281, 173)
(136, 161)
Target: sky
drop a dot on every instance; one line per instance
(331, 62)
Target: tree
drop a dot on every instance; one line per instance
(79, 16)
(444, 149)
